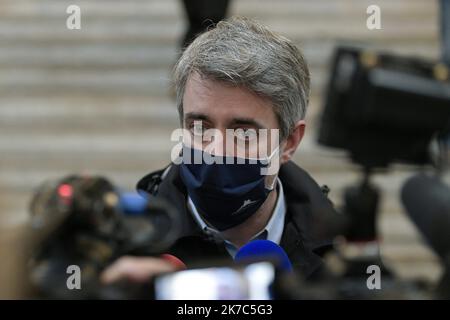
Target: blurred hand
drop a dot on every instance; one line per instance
(136, 269)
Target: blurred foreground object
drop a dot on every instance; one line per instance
(86, 222)
(427, 201)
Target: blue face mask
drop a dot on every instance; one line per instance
(225, 190)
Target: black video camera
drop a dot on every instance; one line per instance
(85, 222)
(384, 108)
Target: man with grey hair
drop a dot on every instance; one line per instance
(242, 77)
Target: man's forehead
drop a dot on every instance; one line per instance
(214, 101)
(200, 88)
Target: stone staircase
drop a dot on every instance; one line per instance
(97, 100)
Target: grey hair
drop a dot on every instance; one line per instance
(242, 52)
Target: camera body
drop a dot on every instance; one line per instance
(85, 221)
(383, 108)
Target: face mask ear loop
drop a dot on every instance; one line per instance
(269, 161)
(272, 187)
(276, 151)
(266, 159)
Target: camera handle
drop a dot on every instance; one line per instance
(361, 206)
(361, 247)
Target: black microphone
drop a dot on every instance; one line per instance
(427, 201)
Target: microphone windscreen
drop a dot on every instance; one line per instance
(133, 203)
(427, 201)
(259, 250)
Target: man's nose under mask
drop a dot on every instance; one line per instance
(225, 190)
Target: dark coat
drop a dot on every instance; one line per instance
(304, 198)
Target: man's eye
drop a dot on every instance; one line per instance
(197, 130)
(246, 134)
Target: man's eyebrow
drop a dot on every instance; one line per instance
(247, 121)
(196, 116)
(235, 121)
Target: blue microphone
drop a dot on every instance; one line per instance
(260, 250)
(132, 203)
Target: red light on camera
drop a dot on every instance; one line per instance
(65, 191)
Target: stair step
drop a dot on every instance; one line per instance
(74, 110)
(110, 55)
(172, 8)
(154, 81)
(142, 31)
(90, 56)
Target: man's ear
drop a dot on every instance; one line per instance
(292, 142)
